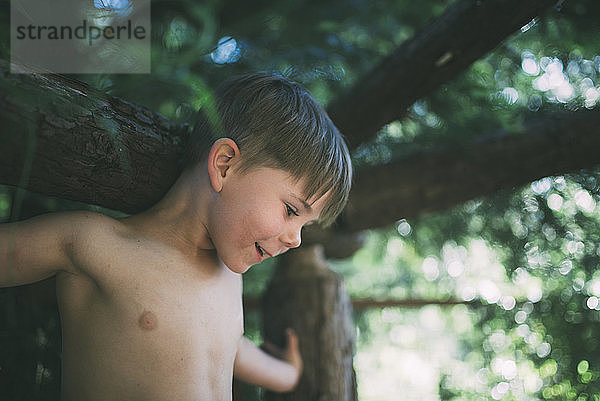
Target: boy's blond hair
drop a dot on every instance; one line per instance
(276, 123)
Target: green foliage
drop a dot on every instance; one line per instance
(527, 263)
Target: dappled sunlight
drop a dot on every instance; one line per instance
(399, 359)
(554, 80)
(408, 335)
(403, 228)
(584, 201)
(560, 84)
(430, 268)
(406, 372)
(508, 304)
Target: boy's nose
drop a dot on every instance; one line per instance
(292, 238)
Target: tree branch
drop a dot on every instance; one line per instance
(62, 138)
(467, 31)
(253, 303)
(436, 180)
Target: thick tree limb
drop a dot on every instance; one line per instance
(436, 180)
(467, 31)
(63, 138)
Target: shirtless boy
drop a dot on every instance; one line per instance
(151, 304)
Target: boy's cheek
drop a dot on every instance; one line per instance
(265, 226)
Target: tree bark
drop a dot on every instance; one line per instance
(308, 297)
(468, 30)
(62, 138)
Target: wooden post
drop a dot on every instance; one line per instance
(306, 295)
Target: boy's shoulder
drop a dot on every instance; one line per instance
(97, 229)
(86, 232)
(98, 241)
(69, 226)
(89, 229)
(85, 223)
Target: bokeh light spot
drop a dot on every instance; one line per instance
(430, 268)
(542, 186)
(529, 64)
(115, 7)
(510, 95)
(520, 317)
(555, 202)
(583, 366)
(403, 228)
(508, 302)
(584, 201)
(543, 350)
(227, 51)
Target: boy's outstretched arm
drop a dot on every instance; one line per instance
(34, 249)
(255, 366)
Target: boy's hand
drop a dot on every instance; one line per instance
(291, 353)
(278, 370)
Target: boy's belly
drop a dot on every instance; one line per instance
(146, 371)
(163, 343)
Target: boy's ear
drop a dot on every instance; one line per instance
(223, 154)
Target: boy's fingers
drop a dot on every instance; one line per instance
(272, 349)
(293, 351)
(292, 339)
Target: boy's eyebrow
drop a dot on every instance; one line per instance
(304, 203)
(306, 206)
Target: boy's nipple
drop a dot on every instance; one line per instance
(148, 320)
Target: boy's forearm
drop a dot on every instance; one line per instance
(255, 366)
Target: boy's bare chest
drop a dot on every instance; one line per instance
(169, 292)
(179, 325)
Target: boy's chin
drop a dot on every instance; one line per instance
(237, 268)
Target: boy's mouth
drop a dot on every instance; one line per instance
(261, 251)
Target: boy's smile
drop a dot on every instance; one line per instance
(261, 251)
(257, 215)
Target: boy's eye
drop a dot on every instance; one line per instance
(290, 211)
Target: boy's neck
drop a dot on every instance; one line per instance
(179, 218)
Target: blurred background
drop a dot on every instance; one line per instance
(497, 298)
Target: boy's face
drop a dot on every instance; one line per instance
(257, 215)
